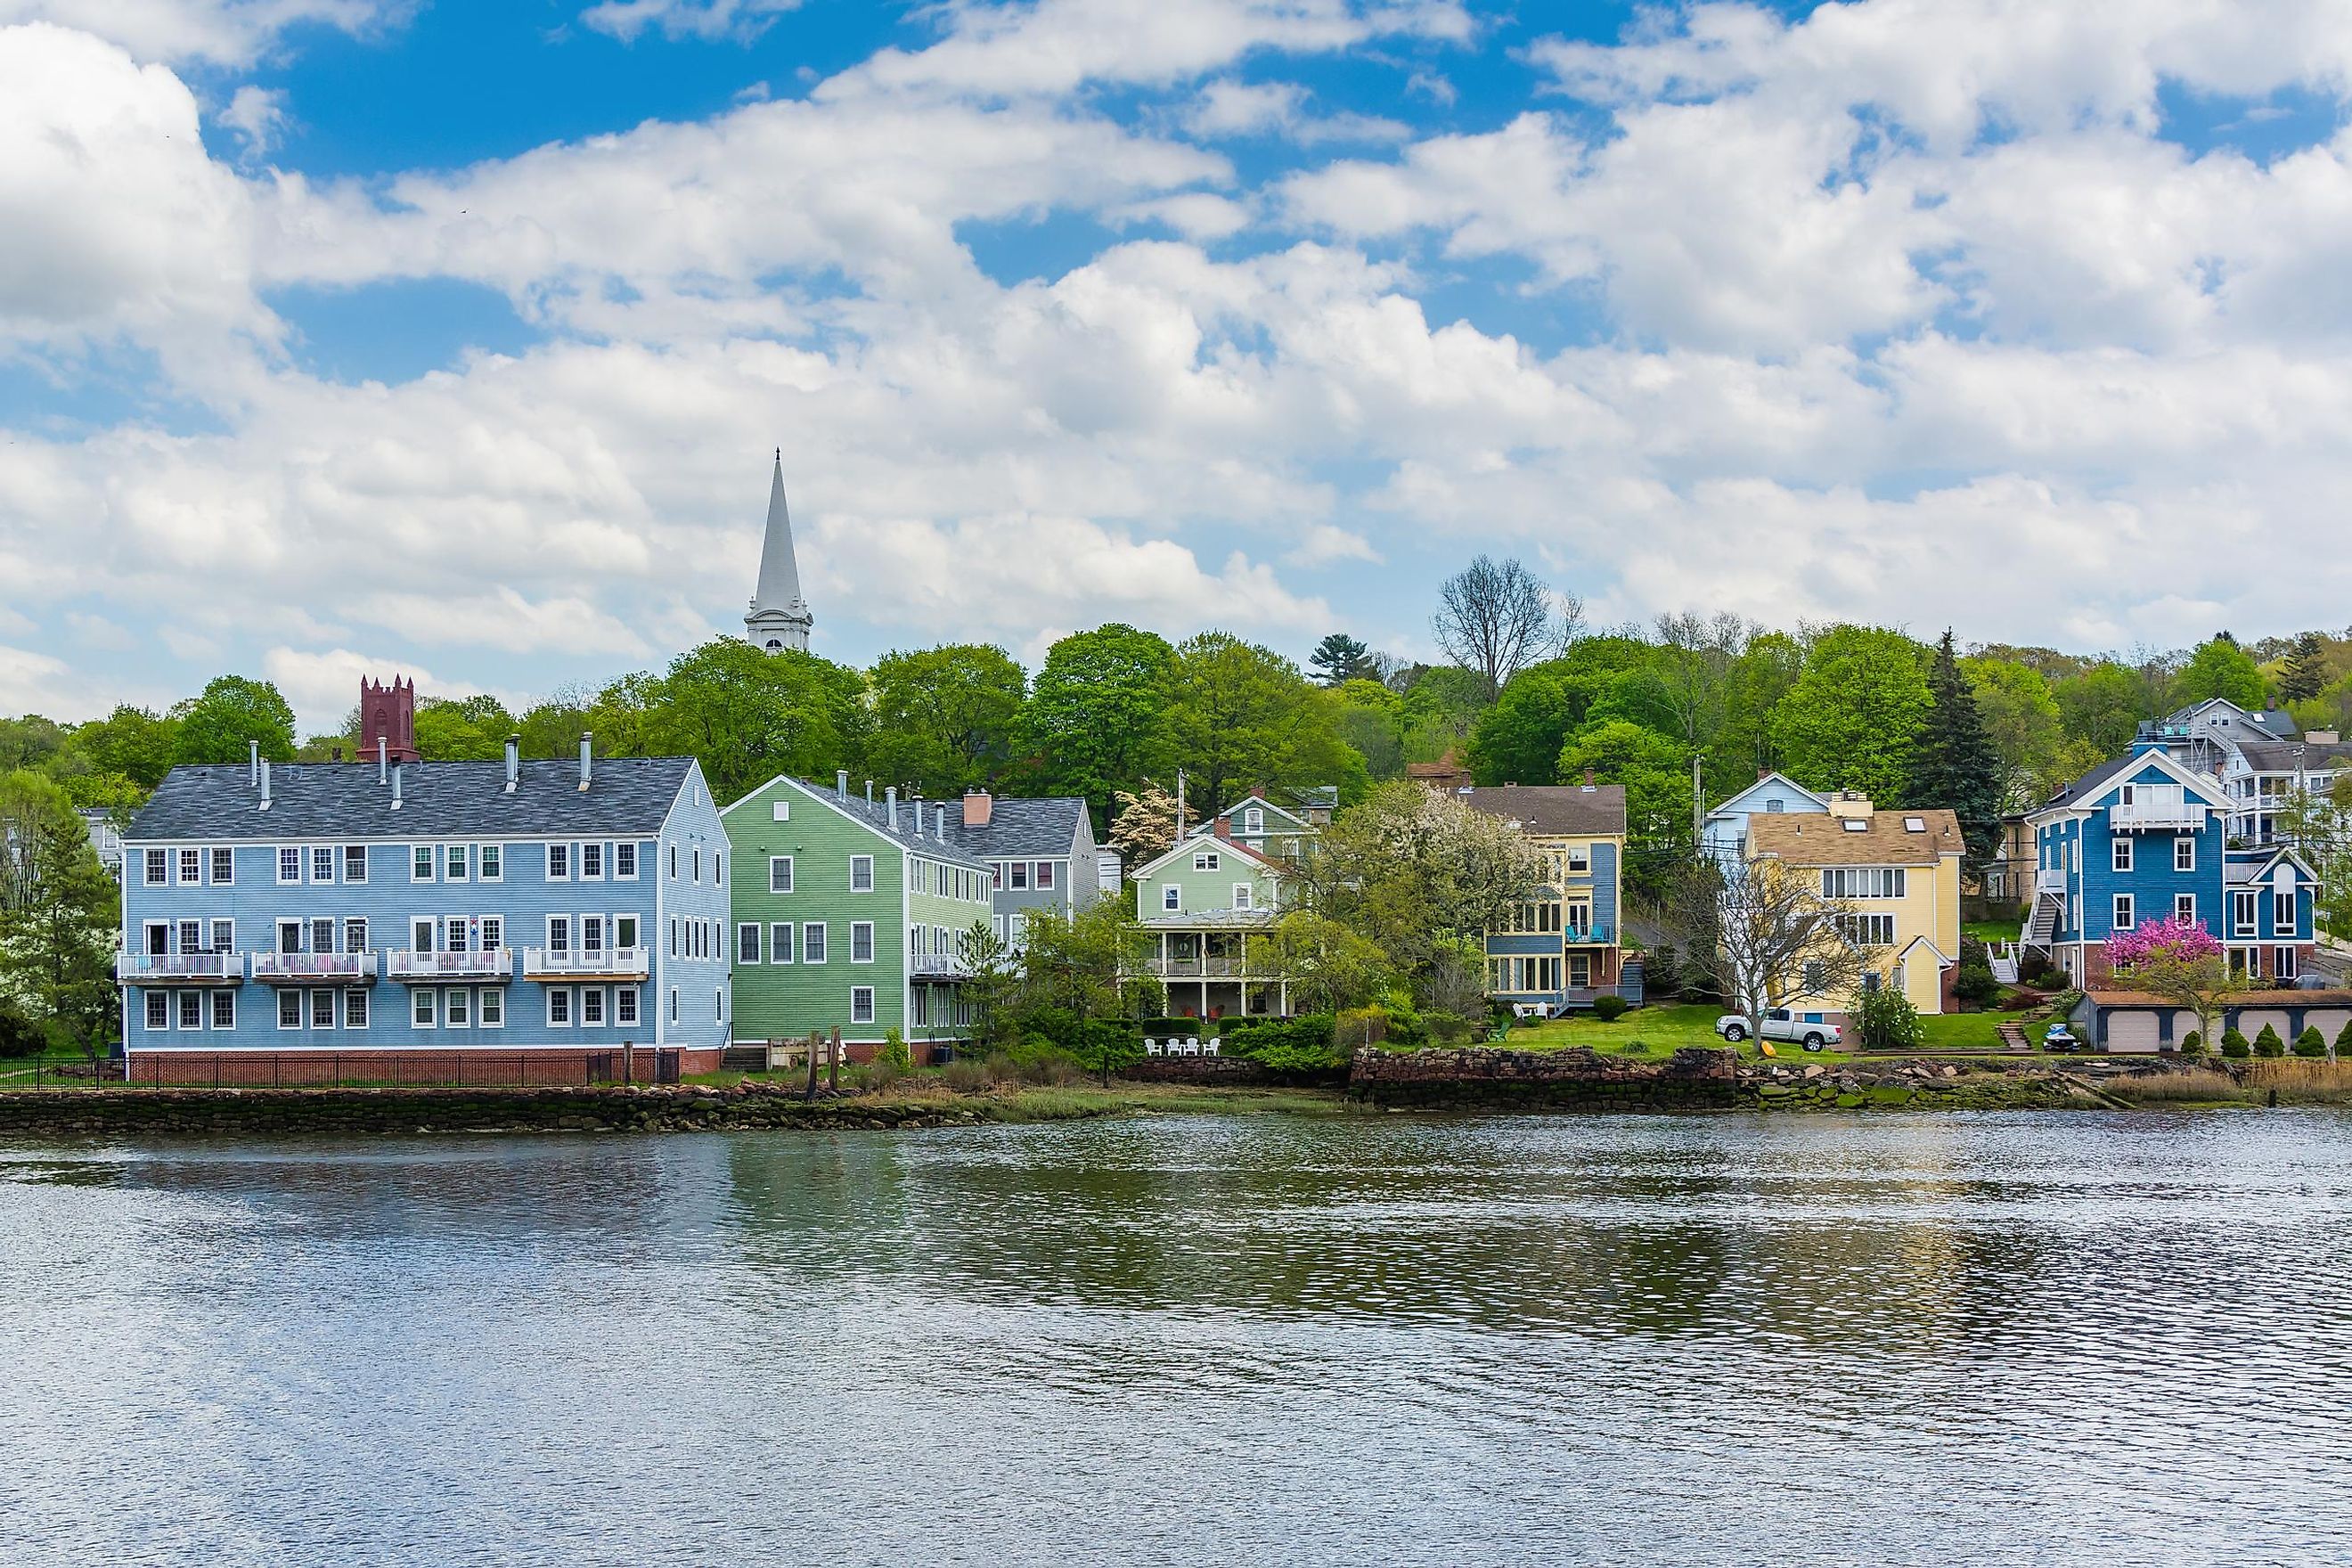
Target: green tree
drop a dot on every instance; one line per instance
(1517, 740)
(1073, 959)
(445, 734)
(1373, 720)
(1339, 659)
(2102, 707)
(58, 910)
(748, 715)
(1744, 747)
(2305, 673)
(33, 742)
(1853, 718)
(1954, 765)
(550, 730)
(1442, 705)
(1093, 713)
(233, 712)
(1655, 771)
(1327, 966)
(136, 742)
(944, 717)
(1239, 715)
(2022, 718)
(2219, 668)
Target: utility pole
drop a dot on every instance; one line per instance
(1698, 806)
(1180, 806)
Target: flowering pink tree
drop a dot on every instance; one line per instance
(2179, 961)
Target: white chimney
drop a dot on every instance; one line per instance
(382, 759)
(252, 765)
(395, 786)
(940, 822)
(514, 761)
(584, 751)
(891, 796)
(264, 780)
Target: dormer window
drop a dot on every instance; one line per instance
(1774, 807)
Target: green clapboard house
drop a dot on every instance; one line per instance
(847, 913)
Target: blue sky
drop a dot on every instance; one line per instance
(375, 335)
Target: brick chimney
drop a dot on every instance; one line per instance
(388, 714)
(977, 804)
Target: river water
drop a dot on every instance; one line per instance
(1697, 1339)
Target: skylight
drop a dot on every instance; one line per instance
(1915, 825)
(1856, 825)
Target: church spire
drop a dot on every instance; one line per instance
(779, 616)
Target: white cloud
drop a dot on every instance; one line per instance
(257, 115)
(1324, 542)
(626, 19)
(214, 32)
(323, 685)
(33, 682)
(1232, 107)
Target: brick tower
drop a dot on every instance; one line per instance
(388, 713)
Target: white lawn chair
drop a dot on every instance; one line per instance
(1192, 1046)
(1209, 1047)
(1150, 1048)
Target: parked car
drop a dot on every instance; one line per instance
(2062, 1039)
(1781, 1024)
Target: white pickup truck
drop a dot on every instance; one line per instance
(1780, 1024)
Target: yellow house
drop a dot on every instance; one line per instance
(1898, 875)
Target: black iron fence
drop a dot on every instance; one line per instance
(355, 1070)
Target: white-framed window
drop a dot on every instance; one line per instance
(592, 934)
(456, 1008)
(861, 942)
(592, 1007)
(355, 863)
(490, 1007)
(2184, 908)
(997, 875)
(624, 1006)
(861, 873)
(2283, 963)
(718, 1005)
(191, 1009)
(1254, 820)
(422, 1002)
(159, 1011)
(454, 862)
(322, 935)
(559, 1008)
(2184, 854)
(223, 937)
(591, 862)
(191, 936)
(559, 934)
(420, 934)
(322, 864)
(1241, 895)
(289, 1009)
(747, 941)
(355, 934)
(224, 1005)
(289, 936)
(290, 866)
(223, 868)
(780, 811)
(494, 932)
(861, 1003)
(719, 868)
(1171, 897)
(1044, 874)
(420, 862)
(154, 868)
(1862, 882)
(780, 873)
(190, 868)
(2123, 911)
(1868, 930)
(672, 862)
(1208, 861)
(2283, 920)
(322, 1009)
(780, 943)
(2121, 848)
(1020, 876)
(673, 936)
(2242, 908)
(695, 857)
(355, 1009)
(812, 942)
(673, 1003)
(558, 862)
(624, 862)
(624, 932)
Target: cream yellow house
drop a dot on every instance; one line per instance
(1898, 875)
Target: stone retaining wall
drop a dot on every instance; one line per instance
(1693, 1077)
(203, 1112)
(1219, 1070)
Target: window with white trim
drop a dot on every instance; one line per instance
(290, 866)
(1254, 820)
(355, 934)
(490, 1007)
(624, 862)
(747, 941)
(673, 1003)
(224, 1005)
(454, 862)
(591, 862)
(624, 1006)
(780, 811)
(812, 942)
(695, 857)
(191, 1009)
(2184, 908)
(1241, 895)
(289, 1009)
(1868, 930)
(624, 932)
(159, 1011)
(861, 874)
(322, 864)
(558, 862)
(1171, 897)
(190, 868)
(494, 932)
(673, 936)
(861, 1003)
(780, 873)
(223, 868)
(2283, 963)
(1044, 875)
(2121, 851)
(355, 1009)
(420, 862)
(421, 1005)
(322, 1009)
(559, 1008)
(1208, 861)
(457, 1008)
(156, 867)
(592, 1007)
(223, 937)
(559, 934)
(2184, 854)
(2242, 909)
(861, 942)
(1020, 876)
(2123, 911)
(490, 863)
(718, 1005)
(2282, 911)
(672, 862)
(780, 943)
(1862, 882)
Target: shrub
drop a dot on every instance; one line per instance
(1609, 1006)
(894, 1050)
(2037, 971)
(1635, 1047)
(2192, 1044)
(1885, 1020)
(2311, 1044)
(2234, 1045)
(963, 1076)
(877, 1076)
(2344, 1044)
(1661, 974)
(1312, 1042)
(1446, 1028)
(1976, 984)
(2268, 1044)
(1359, 1028)
(1105, 1046)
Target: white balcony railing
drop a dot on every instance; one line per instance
(938, 966)
(179, 968)
(2050, 881)
(2159, 814)
(308, 968)
(486, 963)
(573, 964)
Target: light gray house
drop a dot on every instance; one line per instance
(1041, 851)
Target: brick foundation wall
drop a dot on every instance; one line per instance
(551, 1068)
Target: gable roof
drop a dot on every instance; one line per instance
(2266, 720)
(1195, 843)
(2116, 770)
(2252, 866)
(2279, 756)
(875, 818)
(1810, 838)
(1732, 807)
(628, 796)
(1548, 809)
(1020, 828)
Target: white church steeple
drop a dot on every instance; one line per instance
(779, 616)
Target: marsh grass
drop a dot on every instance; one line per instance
(2202, 1086)
(2303, 1081)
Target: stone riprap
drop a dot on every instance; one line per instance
(1695, 1077)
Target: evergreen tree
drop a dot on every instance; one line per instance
(1955, 763)
(1339, 659)
(54, 934)
(2306, 671)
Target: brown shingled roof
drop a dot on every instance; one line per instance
(1553, 808)
(1812, 838)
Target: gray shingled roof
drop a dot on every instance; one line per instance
(1020, 828)
(2278, 756)
(627, 797)
(1553, 808)
(2091, 782)
(878, 817)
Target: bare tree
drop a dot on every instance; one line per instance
(1494, 617)
(1696, 653)
(1761, 932)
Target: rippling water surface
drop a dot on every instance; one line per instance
(1953, 1339)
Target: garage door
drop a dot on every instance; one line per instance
(2131, 1031)
(2251, 1021)
(2330, 1023)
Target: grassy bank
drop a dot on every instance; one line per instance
(1658, 1031)
(1018, 1102)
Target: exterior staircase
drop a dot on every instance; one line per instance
(2041, 926)
(2012, 1038)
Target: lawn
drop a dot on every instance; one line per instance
(1992, 933)
(1661, 1029)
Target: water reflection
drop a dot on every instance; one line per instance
(1708, 1340)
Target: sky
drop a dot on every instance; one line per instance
(375, 336)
